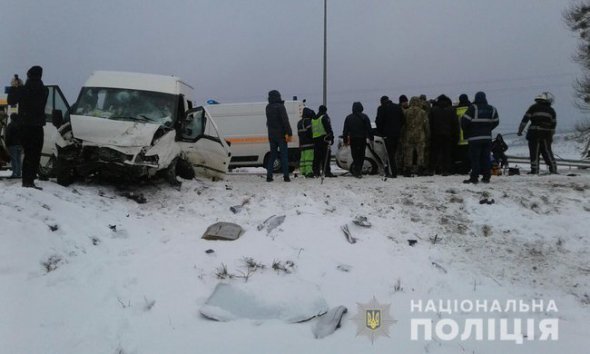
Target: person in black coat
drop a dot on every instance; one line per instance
(279, 133)
(31, 99)
(444, 133)
(389, 122)
(543, 121)
(357, 129)
(14, 146)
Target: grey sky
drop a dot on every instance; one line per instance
(238, 50)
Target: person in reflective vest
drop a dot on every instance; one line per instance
(461, 149)
(306, 147)
(323, 137)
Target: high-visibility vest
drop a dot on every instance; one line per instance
(317, 127)
(460, 112)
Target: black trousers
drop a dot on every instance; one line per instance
(540, 144)
(320, 149)
(357, 149)
(391, 143)
(32, 142)
(479, 154)
(440, 158)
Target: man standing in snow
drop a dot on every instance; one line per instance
(461, 149)
(389, 122)
(416, 131)
(323, 137)
(306, 143)
(31, 99)
(478, 122)
(444, 132)
(540, 134)
(357, 128)
(279, 133)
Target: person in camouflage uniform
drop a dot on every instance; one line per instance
(415, 135)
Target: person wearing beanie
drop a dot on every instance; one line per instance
(323, 137)
(279, 134)
(31, 99)
(389, 122)
(543, 121)
(461, 162)
(306, 146)
(357, 129)
(403, 102)
(478, 122)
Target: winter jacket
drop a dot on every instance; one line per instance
(304, 129)
(479, 120)
(277, 120)
(12, 134)
(417, 128)
(443, 119)
(357, 124)
(542, 117)
(31, 99)
(390, 119)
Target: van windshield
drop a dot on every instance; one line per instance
(127, 105)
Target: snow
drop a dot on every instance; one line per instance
(120, 277)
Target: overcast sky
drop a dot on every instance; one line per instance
(238, 50)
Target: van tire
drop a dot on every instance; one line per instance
(184, 169)
(277, 165)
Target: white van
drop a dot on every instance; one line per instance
(131, 125)
(244, 126)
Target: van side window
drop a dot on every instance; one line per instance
(193, 126)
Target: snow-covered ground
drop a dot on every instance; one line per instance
(84, 269)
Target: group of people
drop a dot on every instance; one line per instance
(315, 138)
(421, 137)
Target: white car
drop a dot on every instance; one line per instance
(374, 159)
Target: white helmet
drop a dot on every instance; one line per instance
(545, 96)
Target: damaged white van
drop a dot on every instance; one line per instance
(129, 125)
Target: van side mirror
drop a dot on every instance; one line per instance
(57, 118)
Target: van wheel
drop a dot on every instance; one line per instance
(184, 169)
(277, 165)
(64, 173)
(369, 167)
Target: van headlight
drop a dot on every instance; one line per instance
(148, 160)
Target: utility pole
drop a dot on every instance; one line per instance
(325, 54)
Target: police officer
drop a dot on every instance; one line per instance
(323, 137)
(540, 134)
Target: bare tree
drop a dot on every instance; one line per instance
(577, 18)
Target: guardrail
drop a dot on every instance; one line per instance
(560, 162)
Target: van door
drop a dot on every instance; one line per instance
(56, 106)
(203, 145)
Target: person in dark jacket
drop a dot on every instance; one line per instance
(540, 134)
(279, 133)
(478, 122)
(323, 137)
(444, 132)
(14, 146)
(31, 99)
(306, 143)
(389, 122)
(357, 129)
(499, 148)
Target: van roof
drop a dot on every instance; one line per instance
(128, 80)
